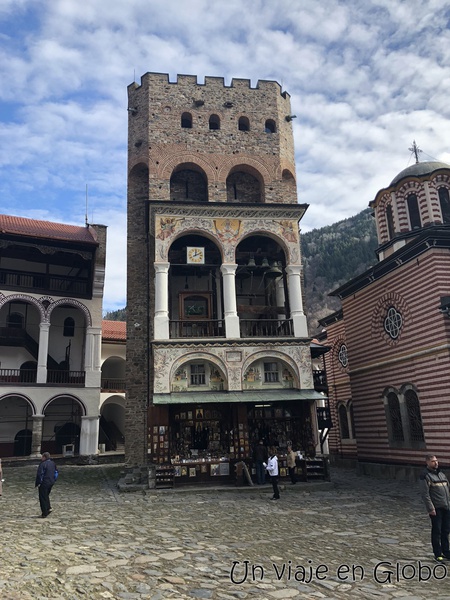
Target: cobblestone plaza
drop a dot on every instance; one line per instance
(352, 538)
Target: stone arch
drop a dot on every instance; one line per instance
(138, 180)
(389, 389)
(75, 304)
(405, 387)
(254, 166)
(172, 161)
(188, 183)
(24, 298)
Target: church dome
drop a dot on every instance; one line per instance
(419, 169)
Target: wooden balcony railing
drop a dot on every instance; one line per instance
(66, 377)
(266, 328)
(43, 282)
(17, 376)
(197, 329)
(111, 384)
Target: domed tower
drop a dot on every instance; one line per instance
(214, 307)
(418, 197)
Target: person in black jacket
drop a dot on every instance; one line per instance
(436, 496)
(45, 478)
(260, 456)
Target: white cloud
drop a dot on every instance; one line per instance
(366, 77)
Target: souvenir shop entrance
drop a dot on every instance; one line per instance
(203, 441)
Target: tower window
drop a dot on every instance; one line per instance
(214, 122)
(444, 201)
(413, 210)
(270, 126)
(244, 124)
(186, 120)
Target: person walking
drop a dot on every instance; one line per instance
(272, 468)
(260, 457)
(436, 496)
(45, 478)
(290, 459)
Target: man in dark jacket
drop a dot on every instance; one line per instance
(45, 478)
(436, 495)
(260, 457)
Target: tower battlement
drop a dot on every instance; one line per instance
(213, 84)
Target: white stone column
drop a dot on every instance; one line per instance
(36, 435)
(296, 301)
(161, 320)
(44, 330)
(89, 435)
(229, 301)
(92, 357)
(280, 297)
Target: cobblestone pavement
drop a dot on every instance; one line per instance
(358, 538)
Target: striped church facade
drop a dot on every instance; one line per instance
(389, 367)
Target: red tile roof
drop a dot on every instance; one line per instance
(114, 331)
(46, 229)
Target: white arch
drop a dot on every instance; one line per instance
(21, 397)
(267, 355)
(68, 396)
(25, 298)
(185, 359)
(72, 302)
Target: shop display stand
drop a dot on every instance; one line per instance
(315, 469)
(164, 476)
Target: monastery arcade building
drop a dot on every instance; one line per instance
(51, 293)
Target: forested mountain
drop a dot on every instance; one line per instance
(116, 315)
(332, 256)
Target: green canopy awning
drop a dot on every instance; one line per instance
(252, 396)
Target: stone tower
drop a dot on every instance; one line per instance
(215, 314)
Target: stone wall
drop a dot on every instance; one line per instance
(157, 139)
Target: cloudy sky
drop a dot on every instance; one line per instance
(366, 78)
